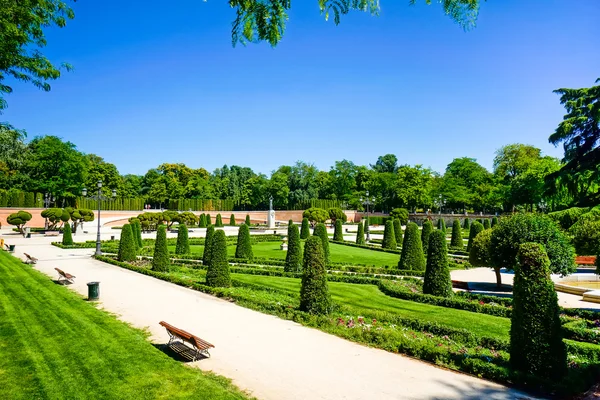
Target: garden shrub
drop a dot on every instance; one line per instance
(481, 254)
(160, 260)
(210, 231)
(480, 220)
(475, 229)
(219, 221)
(466, 224)
(314, 292)
(412, 256)
(208, 220)
(336, 213)
(536, 343)
(486, 223)
(183, 245)
(293, 258)
(437, 275)
(136, 230)
(321, 232)
(513, 231)
(457, 240)
(127, 246)
(567, 218)
(202, 221)
(67, 238)
(217, 274)
(441, 224)
(315, 215)
(425, 233)
(586, 237)
(494, 221)
(232, 220)
(305, 229)
(401, 214)
(397, 230)
(360, 234)
(20, 219)
(247, 220)
(389, 237)
(338, 234)
(244, 245)
(366, 224)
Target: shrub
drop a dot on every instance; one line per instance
(480, 254)
(457, 240)
(219, 221)
(425, 233)
(210, 231)
(183, 244)
(586, 237)
(397, 230)
(232, 220)
(441, 224)
(494, 221)
(20, 219)
(160, 260)
(321, 231)
(243, 248)
(247, 221)
(480, 221)
(138, 233)
(336, 213)
(536, 345)
(567, 218)
(67, 238)
(513, 231)
(127, 246)
(401, 214)
(389, 237)
(338, 235)
(217, 274)
(314, 292)
(366, 224)
(437, 274)
(466, 224)
(315, 215)
(360, 234)
(486, 223)
(202, 221)
(305, 229)
(208, 220)
(293, 258)
(476, 227)
(412, 249)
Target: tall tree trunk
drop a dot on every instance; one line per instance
(498, 277)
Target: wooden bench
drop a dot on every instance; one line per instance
(585, 260)
(64, 275)
(30, 259)
(178, 338)
(51, 233)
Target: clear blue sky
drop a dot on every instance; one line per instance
(159, 81)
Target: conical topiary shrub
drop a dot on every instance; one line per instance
(466, 224)
(437, 274)
(412, 249)
(305, 229)
(366, 224)
(137, 233)
(160, 261)
(480, 221)
(457, 241)
(208, 220)
(183, 245)
(494, 221)
(247, 221)
(210, 231)
(425, 233)
(217, 274)
(314, 292)
(486, 223)
(293, 259)
(360, 234)
(232, 220)
(536, 342)
(321, 232)
(244, 245)
(476, 227)
(219, 221)
(389, 237)
(67, 238)
(127, 247)
(441, 224)
(202, 221)
(398, 230)
(338, 235)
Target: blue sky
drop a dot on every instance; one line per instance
(158, 83)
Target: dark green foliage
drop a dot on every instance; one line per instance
(360, 234)
(467, 224)
(338, 235)
(586, 237)
(67, 239)
(425, 233)
(441, 224)
(247, 221)
(366, 224)
(397, 230)
(160, 260)
(202, 221)
(389, 237)
(138, 233)
(400, 214)
(566, 218)
(219, 221)
(183, 244)
(522, 228)
(536, 345)
(412, 256)
(293, 259)
(457, 240)
(20, 219)
(217, 274)
(486, 223)
(315, 215)
(232, 220)
(437, 274)
(244, 245)
(314, 292)
(336, 213)
(208, 220)
(210, 231)
(494, 221)
(127, 245)
(321, 231)
(305, 229)
(479, 220)
(476, 227)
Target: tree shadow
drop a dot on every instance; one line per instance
(477, 391)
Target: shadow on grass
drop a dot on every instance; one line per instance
(179, 352)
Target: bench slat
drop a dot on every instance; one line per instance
(188, 337)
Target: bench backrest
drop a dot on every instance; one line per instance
(60, 271)
(184, 335)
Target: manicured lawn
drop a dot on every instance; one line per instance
(54, 345)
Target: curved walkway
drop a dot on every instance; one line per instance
(269, 357)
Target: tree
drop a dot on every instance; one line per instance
(397, 230)
(536, 343)
(247, 221)
(321, 231)
(55, 216)
(335, 214)
(79, 216)
(293, 259)
(183, 245)
(219, 221)
(314, 292)
(338, 235)
(387, 163)
(360, 234)
(170, 217)
(127, 247)
(480, 254)
(425, 233)
(244, 244)
(315, 215)
(401, 214)
(160, 260)
(513, 231)
(217, 274)
(457, 240)
(305, 229)
(67, 239)
(412, 249)
(437, 274)
(389, 237)
(186, 218)
(19, 219)
(475, 229)
(232, 220)
(202, 221)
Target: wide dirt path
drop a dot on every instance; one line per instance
(269, 357)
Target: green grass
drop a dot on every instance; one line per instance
(55, 345)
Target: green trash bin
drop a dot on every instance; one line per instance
(93, 291)
(11, 248)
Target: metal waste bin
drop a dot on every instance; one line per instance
(11, 248)
(28, 235)
(93, 291)
(112, 237)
